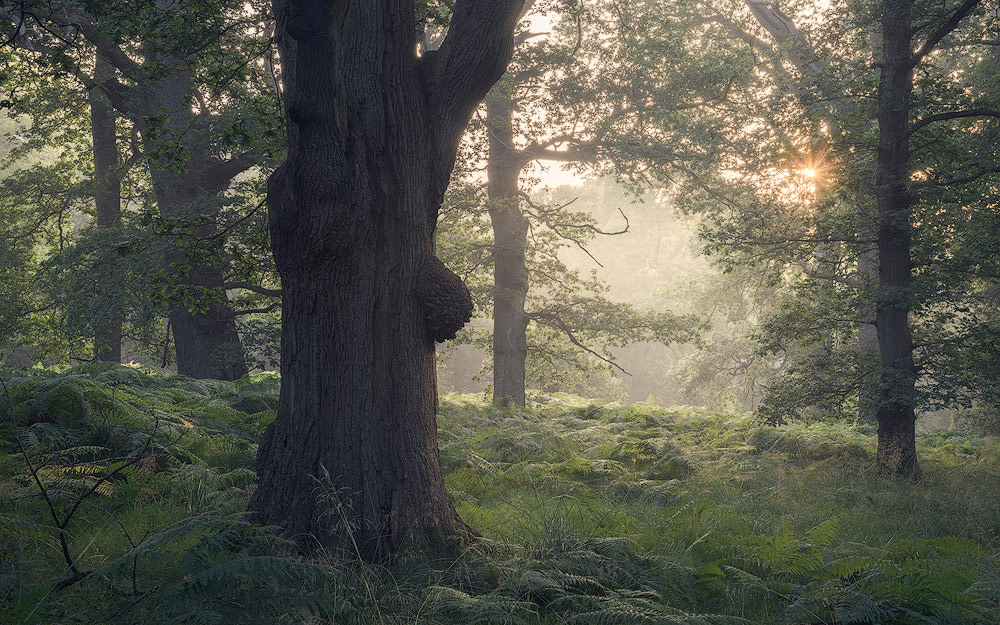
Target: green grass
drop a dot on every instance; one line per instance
(590, 512)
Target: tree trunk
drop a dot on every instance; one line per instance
(897, 454)
(510, 233)
(351, 463)
(207, 342)
(639, 384)
(107, 197)
(868, 352)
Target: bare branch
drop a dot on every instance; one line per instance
(62, 521)
(543, 213)
(957, 181)
(554, 321)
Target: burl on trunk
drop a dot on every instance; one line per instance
(351, 462)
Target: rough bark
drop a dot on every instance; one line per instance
(107, 196)
(351, 463)
(897, 454)
(207, 343)
(510, 233)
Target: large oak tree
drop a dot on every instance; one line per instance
(373, 129)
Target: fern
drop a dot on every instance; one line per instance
(222, 575)
(639, 610)
(493, 608)
(20, 526)
(160, 548)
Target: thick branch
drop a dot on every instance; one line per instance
(117, 93)
(795, 48)
(582, 153)
(217, 177)
(524, 36)
(930, 119)
(528, 4)
(472, 57)
(255, 311)
(943, 31)
(107, 48)
(791, 41)
(754, 42)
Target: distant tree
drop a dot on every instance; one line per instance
(351, 462)
(879, 185)
(575, 328)
(176, 74)
(107, 197)
(903, 52)
(579, 97)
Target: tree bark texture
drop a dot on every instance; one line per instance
(896, 453)
(107, 197)
(510, 233)
(351, 463)
(206, 339)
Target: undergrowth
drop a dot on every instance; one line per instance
(591, 513)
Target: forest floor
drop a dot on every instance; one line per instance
(590, 512)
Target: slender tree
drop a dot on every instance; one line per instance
(373, 132)
(896, 418)
(897, 453)
(565, 101)
(107, 196)
(510, 238)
